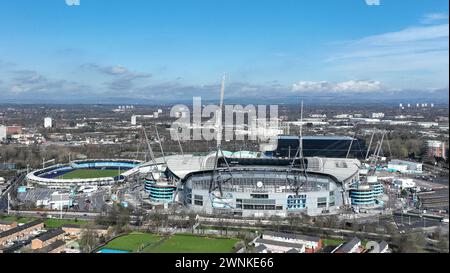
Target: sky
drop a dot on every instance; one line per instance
(167, 50)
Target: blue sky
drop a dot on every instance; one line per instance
(179, 48)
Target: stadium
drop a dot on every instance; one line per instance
(96, 172)
(254, 186)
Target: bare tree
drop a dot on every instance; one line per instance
(88, 240)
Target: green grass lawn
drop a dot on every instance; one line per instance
(20, 220)
(57, 223)
(332, 242)
(193, 244)
(90, 173)
(133, 241)
(49, 223)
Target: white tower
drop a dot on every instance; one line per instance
(48, 123)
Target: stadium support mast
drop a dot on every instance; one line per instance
(374, 161)
(216, 183)
(9, 198)
(370, 145)
(220, 113)
(351, 144)
(301, 130)
(152, 156)
(179, 143)
(299, 154)
(160, 144)
(301, 142)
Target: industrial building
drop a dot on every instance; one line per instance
(436, 199)
(403, 166)
(404, 183)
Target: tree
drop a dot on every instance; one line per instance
(410, 242)
(442, 238)
(404, 193)
(88, 240)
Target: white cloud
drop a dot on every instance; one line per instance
(347, 86)
(415, 57)
(116, 70)
(432, 18)
(17, 88)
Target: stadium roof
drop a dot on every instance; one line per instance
(316, 137)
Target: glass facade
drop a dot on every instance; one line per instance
(159, 193)
(295, 202)
(336, 147)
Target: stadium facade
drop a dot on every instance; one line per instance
(253, 186)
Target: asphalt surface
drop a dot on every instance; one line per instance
(4, 197)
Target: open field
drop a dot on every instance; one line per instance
(89, 173)
(333, 242)
(56, 223)
(133, 241)
(152, 243)
(193, 244)
(49, 223)
(20, 220)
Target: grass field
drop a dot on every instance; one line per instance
(89, 173)
(133, 241)
(20, 220)
(332, 242)
(152, 243)
(49, 223)
(57, 223)
(192, 244)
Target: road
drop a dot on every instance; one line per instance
(56, 214)
(4, 198)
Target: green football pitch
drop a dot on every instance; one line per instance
(178, 243)
(181, 243)
(133, 241)
(90, 173)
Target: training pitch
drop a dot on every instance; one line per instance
(180, 243)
